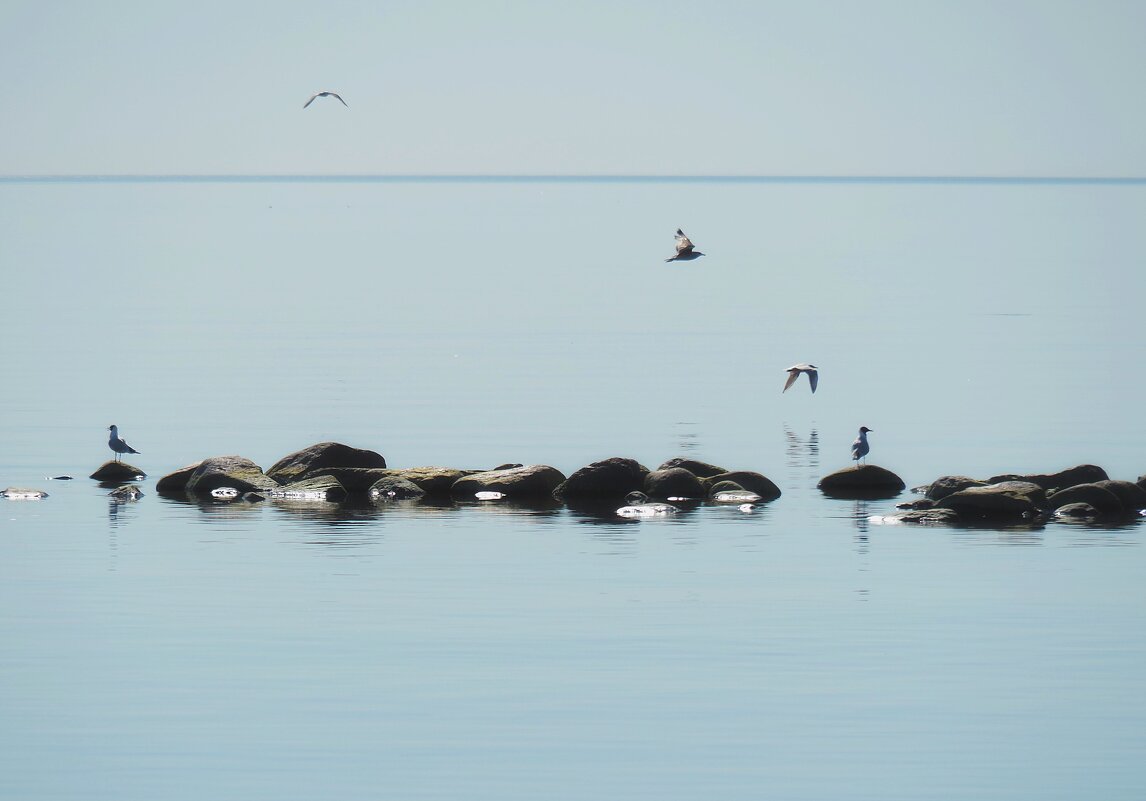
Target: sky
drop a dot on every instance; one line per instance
(772, 87)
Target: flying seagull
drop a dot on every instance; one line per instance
(860, 446)
(684, 248)
(794, 373)
(324, 94)
(118, 445)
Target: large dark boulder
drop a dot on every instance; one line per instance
(176, 483)
(607, 480)
(1098, 496)
(1080, 474)
(1132, 496)
(673, 482)
(517, 483)
(1006, 500)
(317, 459)
(862, 481)
(945, 485)
(228, 471)
(697, 468)
(111, 472)
(749, 480)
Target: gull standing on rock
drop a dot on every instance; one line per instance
(860, 446)
(324, 94)
(794, 373)
(684, 248)
(118, 445)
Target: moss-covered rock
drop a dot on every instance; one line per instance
(528, 481)
(1080, 474)
(395, 488)
(315, 488)
(176, 483)
(229, 471)
(434, 481)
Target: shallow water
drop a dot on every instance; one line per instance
(179, 650)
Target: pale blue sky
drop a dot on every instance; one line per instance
(998, 87)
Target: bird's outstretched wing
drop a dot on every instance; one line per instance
(793, 374)
(683, 243)
(308, 102)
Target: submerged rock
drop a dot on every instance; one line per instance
(113, 471)
(608, 480)
(128, 492)
(395, 488)
(862, 481)
(23, 494)
(518, 483)
(319, 458)
(1132, 496)
(317, 488)
(1076, 511)
(924, 517)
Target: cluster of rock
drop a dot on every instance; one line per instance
(333, 471)
(1084, 492)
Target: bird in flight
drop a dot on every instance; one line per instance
(118, 446)
(324, 94)
(860, 446)
(684, 248)
(794, 373)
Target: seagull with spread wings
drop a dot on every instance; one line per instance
(684, 248)
(794, 373)
(325, 94)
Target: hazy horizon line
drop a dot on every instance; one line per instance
(569, 177)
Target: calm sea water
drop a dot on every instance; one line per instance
(162, 649)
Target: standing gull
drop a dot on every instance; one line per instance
(860, 446)
(324, 94)
(684, 248)
(118, 445)
(794, 373)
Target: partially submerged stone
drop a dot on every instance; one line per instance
(317, 488)
(750, 480)
(113, 471)
(697, 468)
(924, 517)
(607, 480)
(1080, 474)
(395, 488)
(862, 481)
(518, 483)
(1095, 495)
(228, 471)
(673, 482)
(128, 492)
(946, 485)
(1006, 500)
(23, 494)
(176, 483)
(434, 481)
(1076, 511)
(316, 458)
